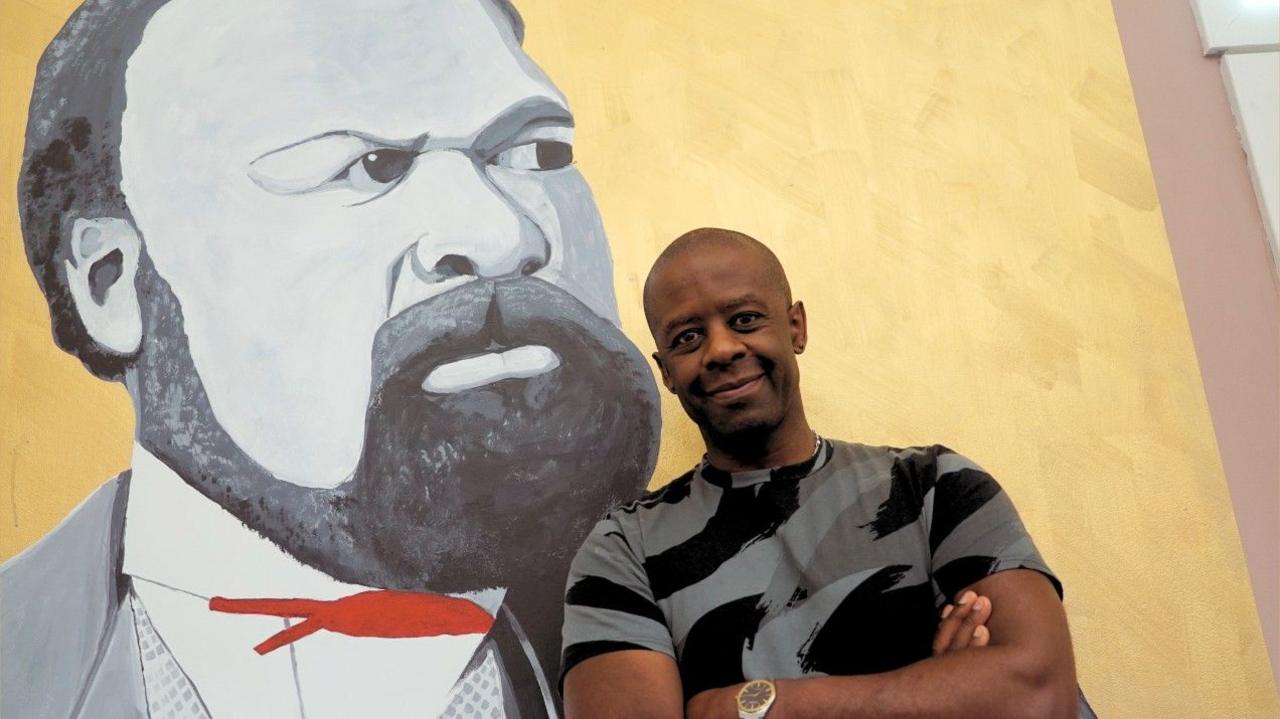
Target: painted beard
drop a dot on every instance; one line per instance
(491, 486)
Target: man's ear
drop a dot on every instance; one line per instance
(100, 275)
(799, 327)
(662, 369)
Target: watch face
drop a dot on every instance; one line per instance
(755, 696)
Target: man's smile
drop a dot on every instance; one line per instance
(736, 389)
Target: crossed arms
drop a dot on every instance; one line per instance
(1025, 669)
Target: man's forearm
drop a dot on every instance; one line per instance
(987, 682)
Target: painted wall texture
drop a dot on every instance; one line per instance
(963, 200)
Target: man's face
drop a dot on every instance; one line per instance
(727, 339)
(396, 351)
(302, 172)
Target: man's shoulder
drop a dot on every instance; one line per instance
(56, 600)
(655, 513)
(923, 462)
(83, 540)
(673, 492)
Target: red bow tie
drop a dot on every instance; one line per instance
(375, 613)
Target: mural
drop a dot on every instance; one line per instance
(362, 301)
(960, 194)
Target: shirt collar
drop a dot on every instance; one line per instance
(176, 537)
(797, 471)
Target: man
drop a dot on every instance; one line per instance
(817, 564)
(362, 301)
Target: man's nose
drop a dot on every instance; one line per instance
(723, 347)
(469, 229)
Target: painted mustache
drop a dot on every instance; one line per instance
(486, 316)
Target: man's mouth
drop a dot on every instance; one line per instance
(737, 389)
(478, 370)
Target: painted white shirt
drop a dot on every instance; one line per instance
(181, 548)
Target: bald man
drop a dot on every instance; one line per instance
(792, 575)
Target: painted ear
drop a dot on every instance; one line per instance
(662, 369)
(100, 275)
(799, 327)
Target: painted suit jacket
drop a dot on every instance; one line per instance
(69, 647)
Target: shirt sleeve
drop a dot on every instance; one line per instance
(609, 605)
(974, 530)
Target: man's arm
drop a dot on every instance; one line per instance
(632, 683)
(1027, 670)
(646, 684)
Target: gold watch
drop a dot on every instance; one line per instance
(755, 697)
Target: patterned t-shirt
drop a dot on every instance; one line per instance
(835, 566)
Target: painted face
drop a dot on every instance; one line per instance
(380, 324)
(303, 172)
(726, 340)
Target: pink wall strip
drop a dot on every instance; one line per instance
(1224, 268)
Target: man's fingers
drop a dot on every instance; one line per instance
(963, 624)
(953, 617)
(940, 638)
(946, 630)
(979, 609)
(982, 611)
(981, 636)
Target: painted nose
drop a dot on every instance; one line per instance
(472, 228)
(467, 228)
(458, 265)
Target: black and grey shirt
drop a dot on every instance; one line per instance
(838, 565)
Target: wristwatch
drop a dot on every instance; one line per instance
(755, 697)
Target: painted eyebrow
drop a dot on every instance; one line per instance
(517, 116)
(414, 143)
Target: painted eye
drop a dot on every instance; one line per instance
(377, 170)
(538, 155)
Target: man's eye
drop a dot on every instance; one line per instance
(538, 155)
(376, 170)
(744, 320)
(684, 338)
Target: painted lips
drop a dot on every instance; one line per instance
(470, 372)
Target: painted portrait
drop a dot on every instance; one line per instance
(361, 299)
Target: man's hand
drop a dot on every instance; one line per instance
(964, 624)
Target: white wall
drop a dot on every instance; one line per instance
(1238, 25)
(1247, 35)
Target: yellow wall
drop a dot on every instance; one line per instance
(961, 194)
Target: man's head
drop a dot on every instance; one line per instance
(727, 333)
(339, 246)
